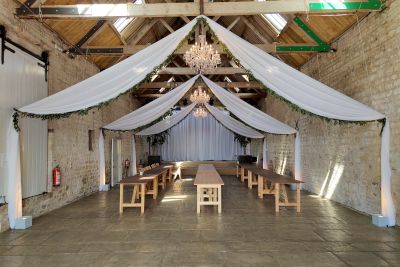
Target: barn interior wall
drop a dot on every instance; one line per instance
(69, 149)
(342, 162)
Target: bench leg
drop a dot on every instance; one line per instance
(219, 199)
(135, 188)
(242, 175)
(298, 197)
(142, 197)
(260, 186)
(155, 187)
(276, 197)
(249, 179)
(199, 192)
(121, 198)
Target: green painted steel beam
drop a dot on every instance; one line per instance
(309, 32)
(309, 48)
(338, 5)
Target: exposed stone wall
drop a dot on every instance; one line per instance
(68, 140)
(342, 162)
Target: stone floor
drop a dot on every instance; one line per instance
(90, 232)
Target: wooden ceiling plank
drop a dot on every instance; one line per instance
(117, 33)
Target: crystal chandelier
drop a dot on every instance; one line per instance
(200, 112)
(199, 96)
(202, 57)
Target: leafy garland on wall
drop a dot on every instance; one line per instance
(293, 106)
(17, 114)
(243, 140)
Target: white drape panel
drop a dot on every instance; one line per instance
(200, 139)
(292, 84)
(265, 154)
(133, 156)
(102, 163)
(14, 197)
(153, 110)
(387, 204)
(297, 158)
(168, 122)
(232, 124)
(244, 111)
(113, 81)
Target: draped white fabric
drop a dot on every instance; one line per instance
(133, 156)
(113, 81)
(265, 154)
(200, 139)
(153, 110)
(168, 122)
(244, 111)
(292, 84)
(232, 124)
(102, 163)
(297, 158)
(14, 173)
(387, 204)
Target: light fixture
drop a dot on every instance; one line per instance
(200, 112)
(202, 57)
(199, 96)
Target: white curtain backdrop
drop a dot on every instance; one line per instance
(133, 156)
(168, 122)
(265, 154)
(247, 113)
(152, 110)
(14, 174)
(200, 139)
(232, 124)
(102, 163)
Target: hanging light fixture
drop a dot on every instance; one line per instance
(202, 57)
(200, 112)
(199, 96)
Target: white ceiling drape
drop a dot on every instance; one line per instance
(168, 122)
(247, 113)
(293, 85)
(113, 81)
(232, 124)
(153, 110)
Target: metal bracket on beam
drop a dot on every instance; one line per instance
(44, 57)
(340, 5)
(76, 49)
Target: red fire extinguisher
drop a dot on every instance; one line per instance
(56, 176)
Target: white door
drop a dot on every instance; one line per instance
(116, 161)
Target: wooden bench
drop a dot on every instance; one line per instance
(141, 186)
(208, 183)
(276, 180)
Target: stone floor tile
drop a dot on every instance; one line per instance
(362, 259)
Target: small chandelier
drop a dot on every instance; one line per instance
(202, 57)
(199, 96)
(200, 112)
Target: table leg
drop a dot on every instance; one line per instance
(155, 187)
(164, 180)
(260, 186)
(142, 197)
(276, 197)
(121, 198)
(219, 199)
(298, 196)
(242, 175)
(249, 179)
(237, 171)
(199, 190)
(135, 187)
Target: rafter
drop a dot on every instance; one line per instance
(189, 71)
(248, 85)
(241, 95)
(183, 10)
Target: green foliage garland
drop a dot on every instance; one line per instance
(243, 140)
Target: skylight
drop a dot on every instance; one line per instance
(121, 23)
(276, 20)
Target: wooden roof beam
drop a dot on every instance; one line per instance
(112, 11)
(248, 85)
(241, 95)
(189, 71)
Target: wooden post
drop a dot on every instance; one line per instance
(142, 197)
(276, 197)
(121, 197)
(298, 196)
